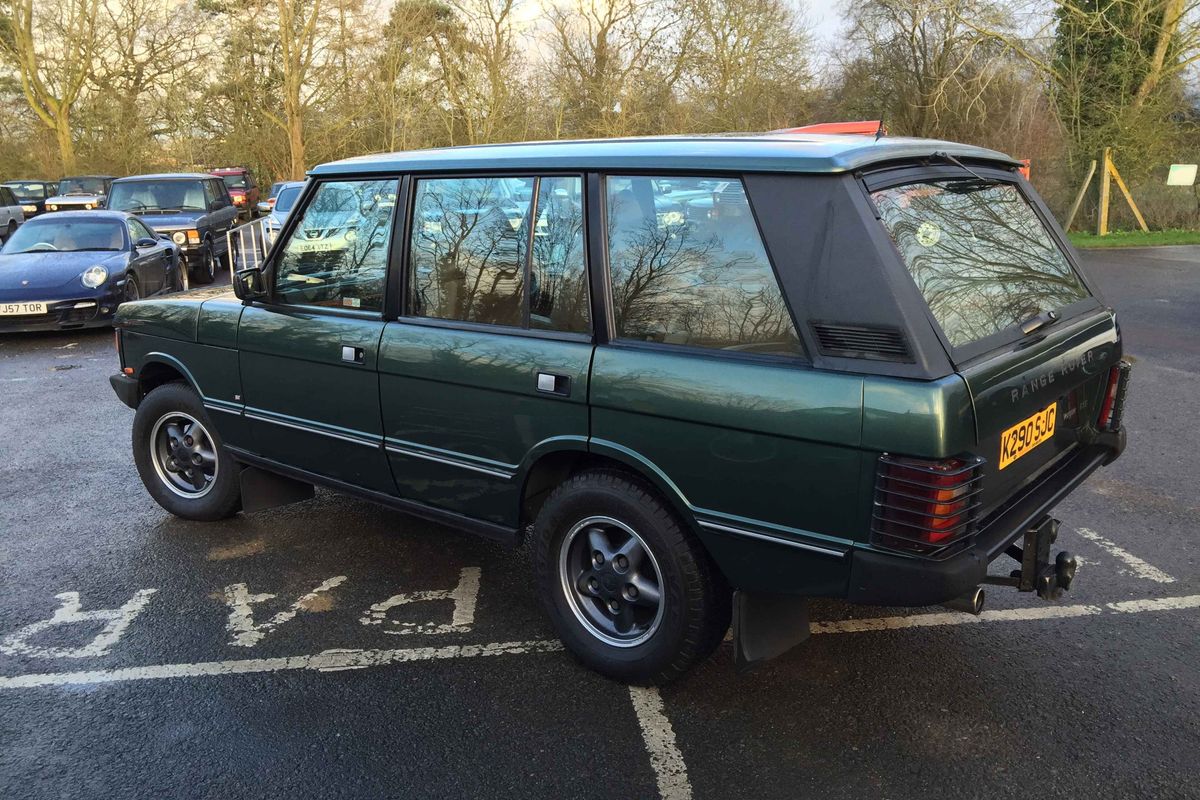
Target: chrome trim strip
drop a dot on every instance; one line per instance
(773, 539)
(404, 451)
(313, 429)
(228, 409)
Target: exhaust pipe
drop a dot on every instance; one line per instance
(969, 603)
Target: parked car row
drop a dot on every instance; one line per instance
(75, 250)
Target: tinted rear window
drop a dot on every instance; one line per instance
(979, 253)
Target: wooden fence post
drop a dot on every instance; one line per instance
(1105, 192)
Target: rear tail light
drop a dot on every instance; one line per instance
(1114, 397)
(925, 507)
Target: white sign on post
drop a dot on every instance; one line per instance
(1181, 175)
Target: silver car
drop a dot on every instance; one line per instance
(80, 193)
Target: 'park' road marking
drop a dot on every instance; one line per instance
(1135, 564)
(333, 660)
(665, 758)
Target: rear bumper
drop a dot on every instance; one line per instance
(889, 579)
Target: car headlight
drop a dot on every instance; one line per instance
(89, 206)
(94, 277)
(29, 209)
(672, 218)
(179, 237)
(52, 207)
(351, 235)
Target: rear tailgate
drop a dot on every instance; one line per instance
(1023, 390)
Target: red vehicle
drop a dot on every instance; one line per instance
(242, 188)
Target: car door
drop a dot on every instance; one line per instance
(488, 365)
(222, 213)
(8, 210)
(309, 353)
(150, 263)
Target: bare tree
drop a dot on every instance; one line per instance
(52, 45)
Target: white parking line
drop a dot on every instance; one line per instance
(665, 758)
(334, 660)
(1135, 564)
(327, 661)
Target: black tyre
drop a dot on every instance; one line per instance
(132, 290)
(206, 271)
(180, 457)
(630, 591)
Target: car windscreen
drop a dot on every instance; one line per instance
(979, 253)
(81, 186)
(27, 192)
(142, 197)
(66, 236)
(287, 198)
(234, 181)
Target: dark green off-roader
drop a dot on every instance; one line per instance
(710, 376)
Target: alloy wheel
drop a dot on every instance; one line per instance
(183, 455)
(611, 581)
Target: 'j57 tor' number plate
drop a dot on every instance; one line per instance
(1027, 434)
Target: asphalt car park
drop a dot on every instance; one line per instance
(336, 649)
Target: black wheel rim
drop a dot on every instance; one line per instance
(210, 264)
(611, 581)
(131, 290)
(183, 454)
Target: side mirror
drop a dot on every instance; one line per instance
(264, 208)
(144, 242)
(216, 205)
(248, 284)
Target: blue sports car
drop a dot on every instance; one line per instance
(72, 269)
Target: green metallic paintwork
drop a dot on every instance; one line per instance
(292, 370)
(211, 371)
(471, 397)
(218, 321)
(927, 419)
(171, 317)
(772, 443)
(769, 152)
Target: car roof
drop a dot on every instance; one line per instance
(25, 180)
(229, 170)
(100, 213)
(746, 152)
(290, 184)
(167, 176)
(74, 177)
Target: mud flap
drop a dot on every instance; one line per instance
(262, 490)
(766, 626)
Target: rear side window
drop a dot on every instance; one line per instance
(480, 253)
(689, 267)
(979, 253)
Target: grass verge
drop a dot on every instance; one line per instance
(1135, 238)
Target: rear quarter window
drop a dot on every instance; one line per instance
(688, 267)
(979, 253)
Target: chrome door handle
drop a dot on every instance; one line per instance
(353, 355)
(549, 383)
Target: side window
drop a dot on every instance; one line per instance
(558, 292)
(478, 255)
(6, 198)
(469, 243)
(689, 267)
(210, 193)
(337, 254)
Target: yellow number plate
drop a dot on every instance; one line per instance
(1027, 434)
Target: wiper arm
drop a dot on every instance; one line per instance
(944, 155)
(1038, 321)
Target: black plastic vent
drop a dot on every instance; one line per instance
(859, 341)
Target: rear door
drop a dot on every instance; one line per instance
(488, 364)
(1028, 334)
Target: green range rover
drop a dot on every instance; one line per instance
(703, 378)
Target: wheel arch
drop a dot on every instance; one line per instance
(552, 466)
(160, 368)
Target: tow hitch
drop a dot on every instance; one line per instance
(1038, 573)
